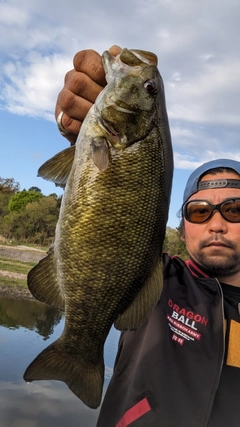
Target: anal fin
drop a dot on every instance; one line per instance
(43, 284)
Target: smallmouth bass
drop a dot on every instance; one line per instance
(105, 265)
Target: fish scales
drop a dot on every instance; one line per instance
(123, 228)
(105, 266)
(108, 262)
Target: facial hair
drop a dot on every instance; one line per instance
(218, 266)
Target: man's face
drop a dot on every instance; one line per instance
(215, 244)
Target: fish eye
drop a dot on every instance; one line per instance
(151, 87)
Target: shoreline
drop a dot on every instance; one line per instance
(15, 292)
(22, 254)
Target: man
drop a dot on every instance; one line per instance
(183, 367)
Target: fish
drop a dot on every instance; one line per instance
(104, 267)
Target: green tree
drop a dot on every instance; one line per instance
(173, 243)
(13, 226)
(34, 223)
(8, 187)
(38, 190)
(4, 200)
(20, 200)
(57, 198)
(42, 218)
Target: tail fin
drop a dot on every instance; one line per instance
(55, 363)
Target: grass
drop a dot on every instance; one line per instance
(15, 266)
(10, 281)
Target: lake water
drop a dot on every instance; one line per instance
(26, 328)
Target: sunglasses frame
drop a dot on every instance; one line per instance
(213, 207)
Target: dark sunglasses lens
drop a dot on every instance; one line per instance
(197, 211)
(231, 210)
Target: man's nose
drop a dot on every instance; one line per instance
(217, 223)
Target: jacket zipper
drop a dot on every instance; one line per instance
(223, 349)
(223, 320)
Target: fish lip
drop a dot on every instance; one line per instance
(122, 106)
(104, 125)
(107, 128)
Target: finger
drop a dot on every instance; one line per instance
(90, 63)
(115, 50)
(82, 85)
(70, 125)
(72, 105)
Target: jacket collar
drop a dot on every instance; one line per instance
(196, 270)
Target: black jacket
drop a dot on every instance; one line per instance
(167, 373)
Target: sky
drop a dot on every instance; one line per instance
(197, 44)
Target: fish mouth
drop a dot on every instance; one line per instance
(107, 128)
(121, 106)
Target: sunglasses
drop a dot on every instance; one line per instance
(199, 211)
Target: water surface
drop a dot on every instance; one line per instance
(26, 328)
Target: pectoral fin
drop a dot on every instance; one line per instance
(143, 304)
(57, 169)
(100, 153)
(43, 284)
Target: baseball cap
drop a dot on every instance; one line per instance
(192, 185)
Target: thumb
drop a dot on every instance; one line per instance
(115, 50)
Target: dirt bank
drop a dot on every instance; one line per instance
(23, 254)
(15, 292)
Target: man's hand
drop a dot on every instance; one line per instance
(81, 87)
